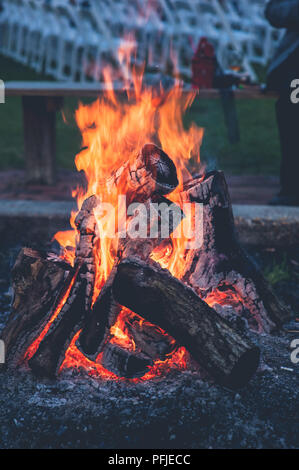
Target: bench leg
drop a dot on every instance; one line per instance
(39, 115)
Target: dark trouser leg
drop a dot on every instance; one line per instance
(287, 115)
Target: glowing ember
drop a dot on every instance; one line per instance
(223, 295)
(75, 359)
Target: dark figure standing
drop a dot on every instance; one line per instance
(283, 69)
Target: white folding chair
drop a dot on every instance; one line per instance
(34, 46)
(28, 19)
(4, 26)
(105, 50)
(231, 39)
(12, 24)
(90, 46)
(174, 42)
(248, 18)
(68, 44)
(59, 61)
(152, 33)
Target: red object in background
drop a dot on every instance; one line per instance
(203, 65)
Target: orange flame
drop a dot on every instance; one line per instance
(119, 331)
(67, 242)
(224, 295)
(114, 128)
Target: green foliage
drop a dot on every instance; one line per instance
(277, 272)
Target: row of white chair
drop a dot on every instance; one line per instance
(249, 16)
(73, 39)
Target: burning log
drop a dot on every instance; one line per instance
(50, 353)
(86, 225)
(162, 299)
(143, 286)
(221, 266)
(105, 311)
(51, 350)
(150, 344)
(149, 176)
(152, 172)
(125, 363)
(99, 321)
(149, 338)
(37, 282)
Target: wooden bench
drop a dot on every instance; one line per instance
(42, 100)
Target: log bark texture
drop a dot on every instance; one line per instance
(151, 172)
(86, 226)
(148, 338)
(37, 283)
(163, 300)
(101, 318)
(221, 264)
(51, 351)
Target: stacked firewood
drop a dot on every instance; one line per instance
(160, 302)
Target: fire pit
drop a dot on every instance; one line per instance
(132, 293)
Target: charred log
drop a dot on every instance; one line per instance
(151, 172)
(74, 300)
(101, 318)
(86, 226)
(37, 283)
(51, 351)
(221, 264)
(125, 363)
(149, 339)
(158, 297)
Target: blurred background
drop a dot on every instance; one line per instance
(72, 40)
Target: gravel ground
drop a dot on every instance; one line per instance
(181, 410)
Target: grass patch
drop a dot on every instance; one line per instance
(257, 152)
(278, 272)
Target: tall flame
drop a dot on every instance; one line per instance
(117, 125)
(114, 128)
